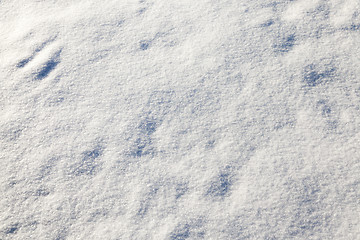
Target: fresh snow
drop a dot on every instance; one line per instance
(126, 119)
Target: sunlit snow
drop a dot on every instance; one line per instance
(156, 119)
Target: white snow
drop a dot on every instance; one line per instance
(179, 119)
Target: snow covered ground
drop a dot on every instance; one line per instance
(157, 119)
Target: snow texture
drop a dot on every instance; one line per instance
(126, 119)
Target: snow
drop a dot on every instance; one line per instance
(179, 119)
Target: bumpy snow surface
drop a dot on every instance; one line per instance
(161, 119)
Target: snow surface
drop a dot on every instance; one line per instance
(126, 119)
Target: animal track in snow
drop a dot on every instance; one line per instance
(42, 61)
(220, 186)
(48, 66)
(22, 63)
(286, 44)
(192, 229)
(89, 164)
(314, 76)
